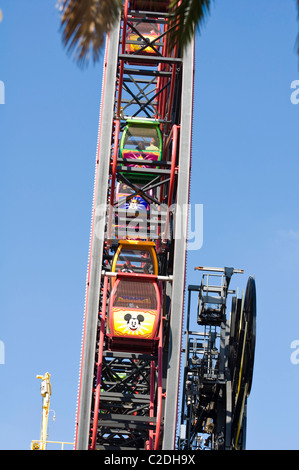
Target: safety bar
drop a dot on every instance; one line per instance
(145, 276)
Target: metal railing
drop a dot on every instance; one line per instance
(42, 445)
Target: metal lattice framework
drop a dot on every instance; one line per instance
(127, 395)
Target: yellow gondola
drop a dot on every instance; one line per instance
(135, 256)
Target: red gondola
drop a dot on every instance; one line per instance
(134, 313)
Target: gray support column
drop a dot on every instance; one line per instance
(97, 242)
(181, 227)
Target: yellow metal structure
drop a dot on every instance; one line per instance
(45, 390)
(36, 445)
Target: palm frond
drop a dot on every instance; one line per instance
(186, 17)
(84, 25)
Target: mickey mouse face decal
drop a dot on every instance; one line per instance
(133, 321)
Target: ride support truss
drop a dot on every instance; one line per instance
(128, 388)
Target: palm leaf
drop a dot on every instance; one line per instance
(84, 24)
(186, 17)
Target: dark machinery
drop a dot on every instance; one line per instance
(219, 362)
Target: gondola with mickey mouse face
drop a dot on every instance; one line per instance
(134, 309)
(134, 313)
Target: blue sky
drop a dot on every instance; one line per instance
(244, 172)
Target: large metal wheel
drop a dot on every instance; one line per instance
(241, 359)
(250, 318)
